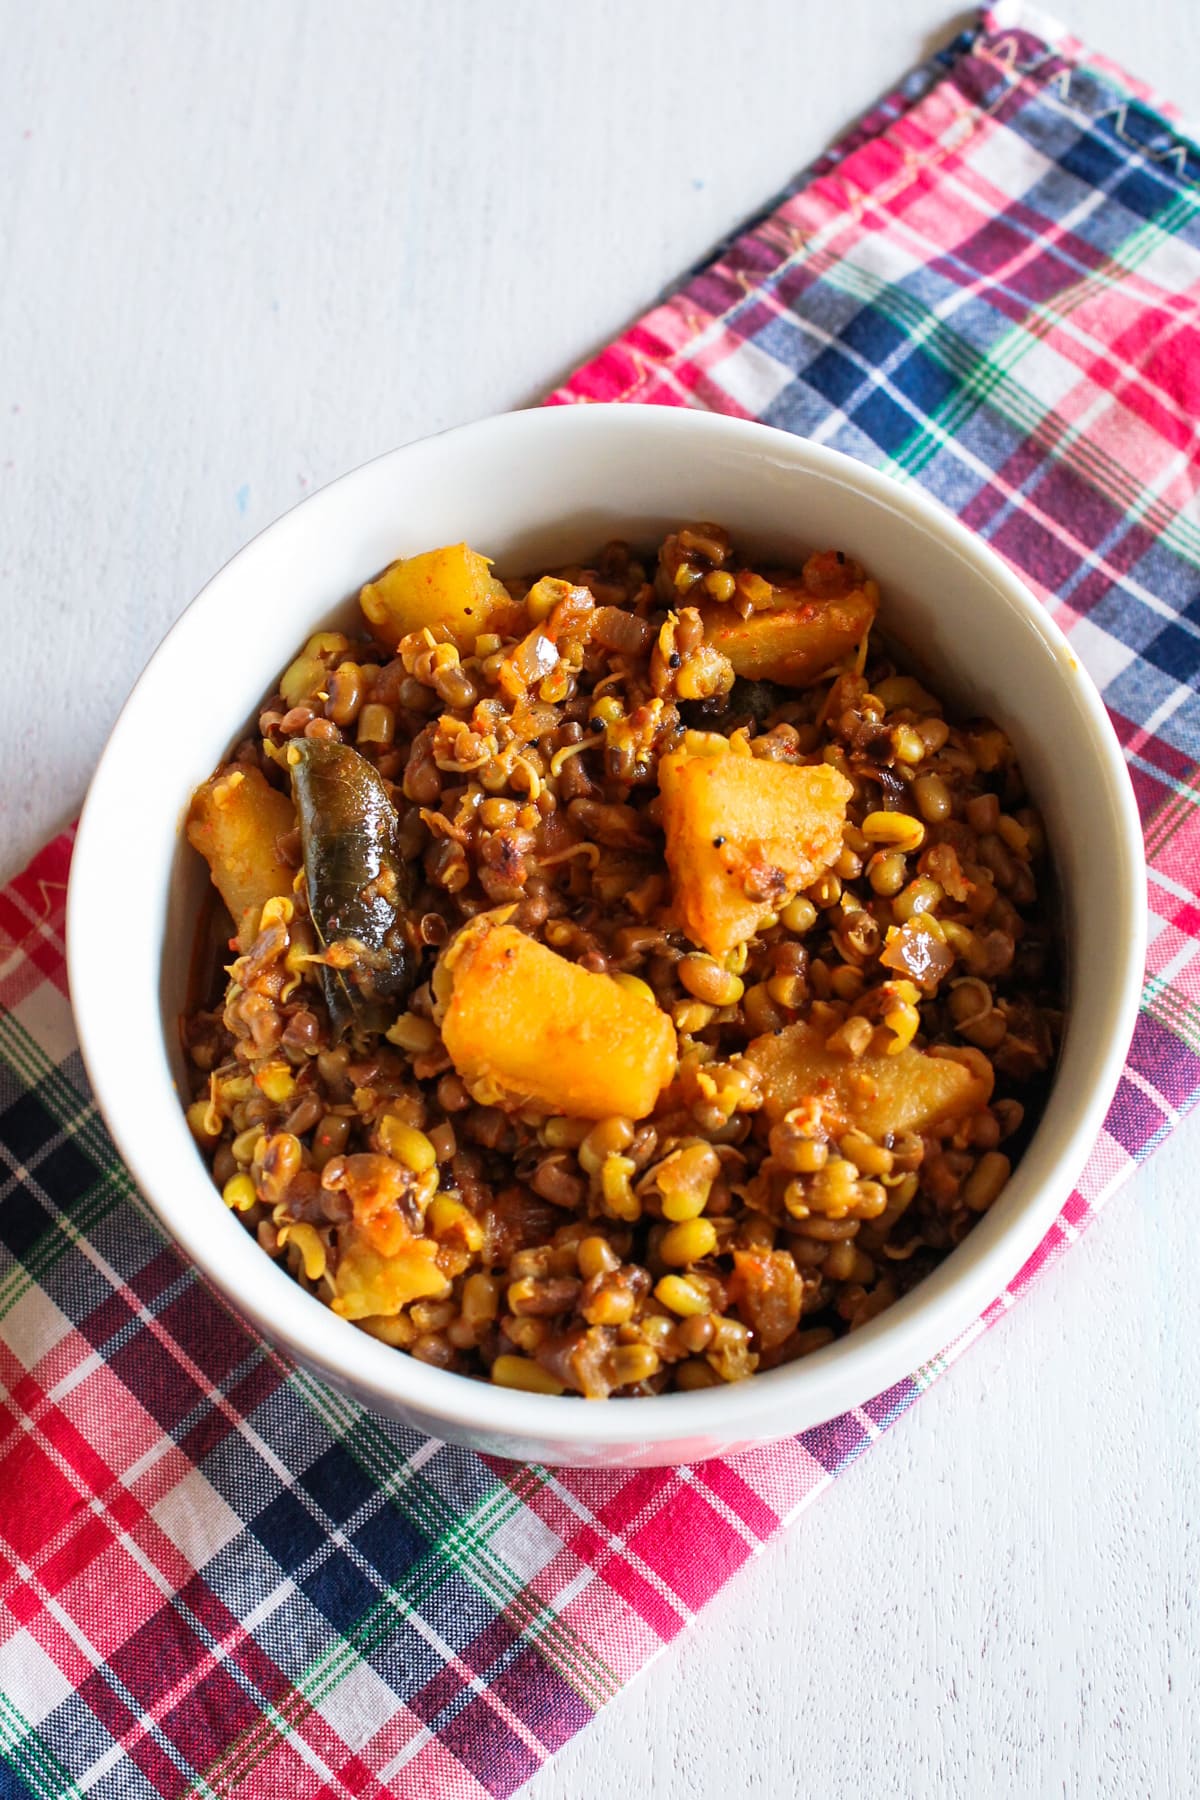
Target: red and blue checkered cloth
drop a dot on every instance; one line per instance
(220, 1578)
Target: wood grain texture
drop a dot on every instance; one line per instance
(245, 248)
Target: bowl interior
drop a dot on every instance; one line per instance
(531, 490)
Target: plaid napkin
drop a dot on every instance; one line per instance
(220, 1578)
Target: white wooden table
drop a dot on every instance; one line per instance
(243, 249)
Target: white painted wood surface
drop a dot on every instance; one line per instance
(243, 248)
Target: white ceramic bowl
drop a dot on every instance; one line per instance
(532, 489)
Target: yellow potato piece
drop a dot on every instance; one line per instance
(794, 640)
(453, 587)
(911, 1091)
(743, 836)
(369, 1283)
(526, 1028)
(234, 821)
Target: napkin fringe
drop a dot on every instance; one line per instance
(219, 1576)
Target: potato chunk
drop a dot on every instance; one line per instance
(743, 836)
(911, 1091)
(453, 587)
(795, 639)
(234, 821)
(372, 1285)
(526, 1028)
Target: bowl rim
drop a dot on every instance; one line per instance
(846, 1373)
